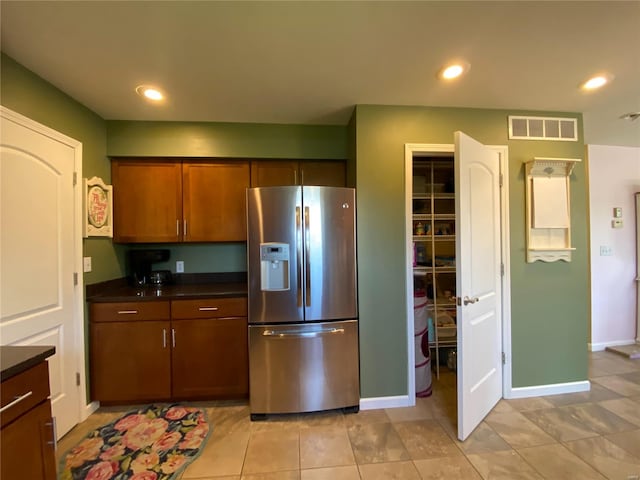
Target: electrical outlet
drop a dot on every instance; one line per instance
(179, 266)
(617, 212)
(86, 264)
(606, 251)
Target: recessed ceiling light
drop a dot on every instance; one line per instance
(597, 81)
(150, 93)
(453, 70)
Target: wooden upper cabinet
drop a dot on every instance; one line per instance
(214, 201)
(274, 173)
(147, 200)
(161, 201)
(271, 173)
(326, 174)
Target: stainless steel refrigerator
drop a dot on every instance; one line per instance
(303, 314)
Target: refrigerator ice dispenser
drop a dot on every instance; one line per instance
(274, 266)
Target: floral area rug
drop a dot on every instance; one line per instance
(151, 443)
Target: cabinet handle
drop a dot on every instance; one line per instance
(173, 337)
(16, 401)
(184, 228)
(127, 312)
(164, 338)
(208, 309)
(54, 433)
(177, 227)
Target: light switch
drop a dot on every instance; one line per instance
(617, 212)
(86, 266)
(616, 223)
(606, 251)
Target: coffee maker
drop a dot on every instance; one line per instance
(140, 262)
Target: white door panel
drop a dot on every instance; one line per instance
(38, 253)
(478, 281)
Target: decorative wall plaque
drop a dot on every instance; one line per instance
(98, 211)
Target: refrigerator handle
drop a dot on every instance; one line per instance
(299, 254)
(299, 334)
(307, 261)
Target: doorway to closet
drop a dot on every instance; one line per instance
(457, 263)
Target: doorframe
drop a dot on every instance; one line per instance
(84, 409)
(441, 149)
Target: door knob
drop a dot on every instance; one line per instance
(468, 300)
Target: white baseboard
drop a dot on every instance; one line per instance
(89, 409)
(386, 402)
(598, 347)
(553, 389)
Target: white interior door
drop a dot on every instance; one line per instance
(478, 257)
(38, 253)
(637, 267)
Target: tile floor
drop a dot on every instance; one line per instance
(591, 435)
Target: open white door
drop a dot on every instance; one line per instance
(478, 281)
(40, 251)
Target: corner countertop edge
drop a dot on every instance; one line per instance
(17, 359)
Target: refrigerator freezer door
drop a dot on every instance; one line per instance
(303, 368)
(329, 269)
(274, 214)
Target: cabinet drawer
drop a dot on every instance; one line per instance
(32, 386)
(208, 308)
(119, 312)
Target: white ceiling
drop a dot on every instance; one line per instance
(311, 62)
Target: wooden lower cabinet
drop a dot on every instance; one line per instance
(210, 358)
(210, 352)
(28, 449)
(27, 436)
(130, 361)
(198, 351)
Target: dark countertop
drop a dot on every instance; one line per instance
(185, 287)
(16, 359)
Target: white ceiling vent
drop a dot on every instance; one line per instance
(543, 128)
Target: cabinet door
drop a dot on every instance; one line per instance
(147, 200)
(214, 201)
(130, 361)
(325, 173)
(210, 358)
(27, 448)
(274, 173)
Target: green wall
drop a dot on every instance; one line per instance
(24, 92)
(226, 140)
(549, 304)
